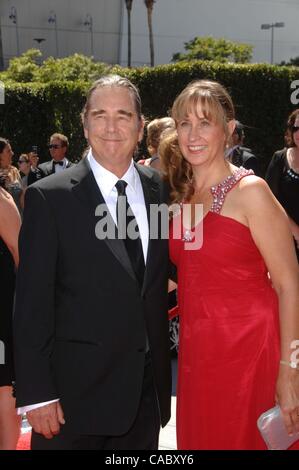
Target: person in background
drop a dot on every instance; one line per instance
(24, 168)
(283, 175)
(58, 148)
(13, 178)
(154, 130)
(237, 327)
(9, 230)
(239, 155)
(35, 173)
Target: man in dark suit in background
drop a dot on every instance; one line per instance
(91, 339)
(58, 148)
(242, 156)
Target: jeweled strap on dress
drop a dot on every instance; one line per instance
(220, 190)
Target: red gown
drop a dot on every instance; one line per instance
(229, 334)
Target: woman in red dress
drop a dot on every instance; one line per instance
(237, 327)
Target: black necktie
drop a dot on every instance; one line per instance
(58, 163)
(126, 220)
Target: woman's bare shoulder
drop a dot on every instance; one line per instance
(6, 200)
(253, 185)
(254, 193)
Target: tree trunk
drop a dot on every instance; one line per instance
(129, 9)
(1, 50)
(129, 38)
(151, 38)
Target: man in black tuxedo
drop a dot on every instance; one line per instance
(242, 156)
(92, 344)
(58, 148)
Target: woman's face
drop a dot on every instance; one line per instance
(200, 139)
(296, 133)
(6, 156)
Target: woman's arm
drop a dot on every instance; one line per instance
(294, 230)
(270, 230)
(10, 223)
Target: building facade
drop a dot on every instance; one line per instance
(62, 27)
(178, 21)
(99, 27)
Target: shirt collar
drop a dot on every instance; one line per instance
(107, 180)
(64, 160)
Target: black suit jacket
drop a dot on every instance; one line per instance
(81, 318)
(48, 167)
(243, 156)
(34, 176)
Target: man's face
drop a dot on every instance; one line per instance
(57, 149)
(112, 127)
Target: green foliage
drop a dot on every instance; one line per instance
(294, 61)
(220, 50)
(75, 67)
(25, 68)
(261, 93)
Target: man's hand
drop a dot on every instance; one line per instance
(47, 419)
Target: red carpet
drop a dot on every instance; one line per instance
(24, 441)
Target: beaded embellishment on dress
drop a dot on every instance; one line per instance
(219, 192)
(293, 174)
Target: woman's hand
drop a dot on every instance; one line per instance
(287, 396)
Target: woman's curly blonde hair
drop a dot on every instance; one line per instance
(217, 106)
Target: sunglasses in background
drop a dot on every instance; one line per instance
(54, 146)
(294, 129)
(22, 161)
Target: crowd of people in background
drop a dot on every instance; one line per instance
(174, 144)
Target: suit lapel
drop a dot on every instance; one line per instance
(151, 196)
(50, 170)
(86, 189)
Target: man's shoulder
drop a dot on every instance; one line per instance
(247, 151)
(44, 165)
(149, 172)
(61, 180)
(153, 176)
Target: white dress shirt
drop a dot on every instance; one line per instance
(59, 168)
(106, 182)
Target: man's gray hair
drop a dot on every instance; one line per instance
(113, 81)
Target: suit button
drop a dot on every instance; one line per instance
(13, 383)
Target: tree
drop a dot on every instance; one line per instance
(294, 61)
(24, 67)
(220, 50)
(74, 67)
(150, 6)
(129, 9)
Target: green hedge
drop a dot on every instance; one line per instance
(261, 94)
